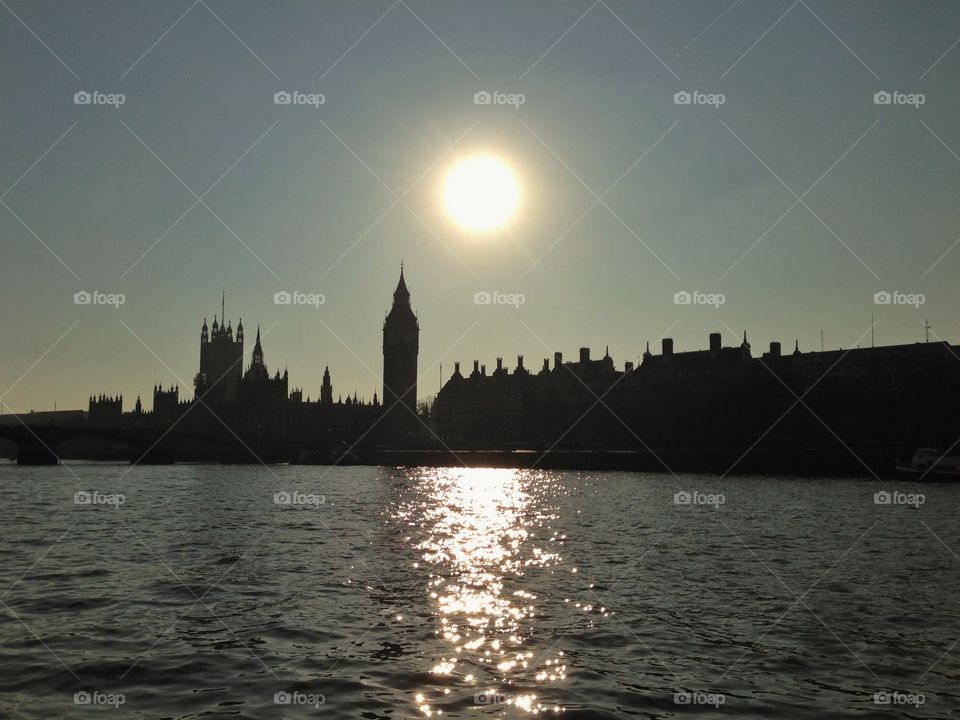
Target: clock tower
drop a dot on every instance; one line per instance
(401, 345)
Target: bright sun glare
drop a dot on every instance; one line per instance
(481, 193)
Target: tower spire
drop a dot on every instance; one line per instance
(257, 358)
(401, 296)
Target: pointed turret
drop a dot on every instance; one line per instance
(401, 296)
(326, 389)
(257, 348)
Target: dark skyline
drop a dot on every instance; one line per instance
(797, 199)
(476, 358)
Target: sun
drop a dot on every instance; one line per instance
(481, 193)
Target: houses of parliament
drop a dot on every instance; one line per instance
(253, 405)
(697, 410)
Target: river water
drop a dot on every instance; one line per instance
(193, 591)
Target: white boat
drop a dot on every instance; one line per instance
(932, 464)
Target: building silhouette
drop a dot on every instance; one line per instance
(326, 389)
(257, 410)
(401, 345)
(716, 408)
(699, 409)
(105, 410)
(221, 360)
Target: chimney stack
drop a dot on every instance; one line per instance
(519, 362)
(557, 360)
(584, 355)
(775, 349)
(715, 342)
(666, 346)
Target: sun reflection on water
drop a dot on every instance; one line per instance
(479, 532)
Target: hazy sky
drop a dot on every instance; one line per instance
(306, 199)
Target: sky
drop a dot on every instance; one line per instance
(782, 198)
